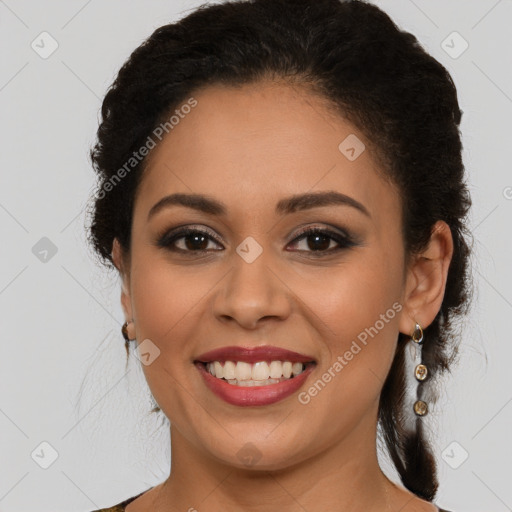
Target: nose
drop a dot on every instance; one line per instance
(252, 293)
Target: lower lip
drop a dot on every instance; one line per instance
(254, 395)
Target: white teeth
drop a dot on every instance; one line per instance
(250, 383)
(259, 373)
(243, 371)
(228, 371)
(276, 369)
(296, 368)
(287, 369)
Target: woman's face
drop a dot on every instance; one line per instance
(251, 279)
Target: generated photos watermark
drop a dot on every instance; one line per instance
(305, 397)
(137, 156)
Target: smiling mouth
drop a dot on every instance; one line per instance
(260, 373)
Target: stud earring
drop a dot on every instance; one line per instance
(421, 371)
(124, 330)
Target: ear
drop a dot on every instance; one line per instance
(119, 259)
(426, 280)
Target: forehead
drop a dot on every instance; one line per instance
(260, 142)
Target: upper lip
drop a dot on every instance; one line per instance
(253, 355)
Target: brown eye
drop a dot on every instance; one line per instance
(320, 240)
(194, 240)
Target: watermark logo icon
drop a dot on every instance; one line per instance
(249, 249)
(146, 352)
(44, 45)
(351, 147)
(249, 454)
(454, 45)
(454, 455)
(44, 455)
(44, 250)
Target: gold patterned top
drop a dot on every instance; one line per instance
(120, 507)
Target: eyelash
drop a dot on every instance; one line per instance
(344, 241)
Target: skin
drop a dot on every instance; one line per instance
(249, 147)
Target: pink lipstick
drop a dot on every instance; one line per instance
(254, 395)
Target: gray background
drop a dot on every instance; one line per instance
(62, 366)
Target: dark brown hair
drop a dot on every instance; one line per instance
(369, 71)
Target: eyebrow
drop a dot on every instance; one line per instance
(287, 205)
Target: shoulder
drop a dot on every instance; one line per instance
(115, 508)
(120, 506)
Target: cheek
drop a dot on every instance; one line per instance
(166, 303)
(360, 304)
(361, 311)
(355, 297)
(165, 298)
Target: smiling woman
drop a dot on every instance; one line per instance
(281, 246)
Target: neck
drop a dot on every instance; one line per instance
(345, 476)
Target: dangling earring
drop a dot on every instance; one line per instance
(420, 371)
(124, 330)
